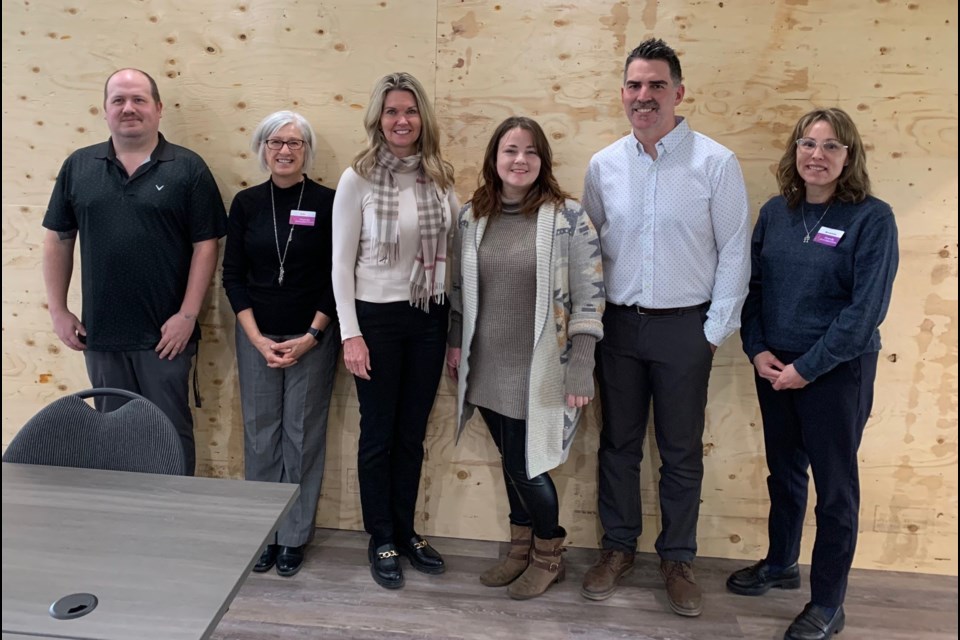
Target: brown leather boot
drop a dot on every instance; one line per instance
(545, 568)
(601, 579)
(683, 592)
(516, 560)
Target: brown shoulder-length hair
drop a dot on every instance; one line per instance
(486, 199)
(428, 146)
(853, 185)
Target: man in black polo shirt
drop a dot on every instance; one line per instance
(148, 214)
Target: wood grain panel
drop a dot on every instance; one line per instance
(751, 68)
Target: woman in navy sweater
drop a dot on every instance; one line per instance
(824, 259)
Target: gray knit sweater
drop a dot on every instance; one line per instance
(503, 341)
(568, 300)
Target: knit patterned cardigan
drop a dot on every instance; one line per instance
(570, 299)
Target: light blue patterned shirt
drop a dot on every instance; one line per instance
(675, 231)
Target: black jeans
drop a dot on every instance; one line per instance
(406, 359)
(533, 501)
(820, 427)
(666, 359)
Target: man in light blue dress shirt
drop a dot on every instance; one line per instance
(671, 208)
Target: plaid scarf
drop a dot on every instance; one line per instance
(429, 269)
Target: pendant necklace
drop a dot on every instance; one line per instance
(276, 237)
(803, 216)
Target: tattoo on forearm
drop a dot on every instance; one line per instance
(67, 235)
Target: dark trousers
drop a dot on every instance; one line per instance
(165, 383)
(817, 427)
(666, 359)
(533, 501)
(406, 348)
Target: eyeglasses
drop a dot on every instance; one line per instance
(831, 147)
(276, 144)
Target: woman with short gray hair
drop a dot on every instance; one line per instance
(276, 272)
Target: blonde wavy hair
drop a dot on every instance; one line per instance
(428, 146)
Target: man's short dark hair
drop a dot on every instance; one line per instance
(154, 89)
(656, 49)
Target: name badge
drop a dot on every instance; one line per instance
(828, 236)
(303, 218)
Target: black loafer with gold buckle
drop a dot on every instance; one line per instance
(421, 555)
(385, 565)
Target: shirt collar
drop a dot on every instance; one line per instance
(671, 141)
(161, 152)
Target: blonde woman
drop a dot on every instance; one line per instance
(391, 221)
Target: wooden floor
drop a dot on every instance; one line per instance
(334, 596)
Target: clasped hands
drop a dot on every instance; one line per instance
(280, 355)
(781, 376)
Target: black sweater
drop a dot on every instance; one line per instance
(251, 266)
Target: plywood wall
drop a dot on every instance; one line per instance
(751, 68)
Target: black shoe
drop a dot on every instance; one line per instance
(813, 624)
(385, 565)
(289, 561)
(757, 579)
(267, 559)
(421, 555)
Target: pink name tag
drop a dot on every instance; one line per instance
(303, 218)
(827, 236)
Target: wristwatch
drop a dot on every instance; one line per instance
(315, 333)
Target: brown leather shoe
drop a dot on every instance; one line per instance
(601, 579)
(683, 592)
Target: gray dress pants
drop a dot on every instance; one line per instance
(285, 424)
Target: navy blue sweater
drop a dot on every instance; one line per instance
(825, 302)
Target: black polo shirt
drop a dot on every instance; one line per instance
(136, 237)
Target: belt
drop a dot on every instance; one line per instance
(644, 311)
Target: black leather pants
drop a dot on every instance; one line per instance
(533, 501)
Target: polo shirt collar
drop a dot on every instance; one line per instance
(161, 152)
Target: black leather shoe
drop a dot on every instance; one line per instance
(813, 624)
(421, 555)
(267, 559)
(385, 565)
(757, 579)
(289, 561)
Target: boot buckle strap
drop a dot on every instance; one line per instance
(552, 567)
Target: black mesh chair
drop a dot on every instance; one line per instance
(70, 433)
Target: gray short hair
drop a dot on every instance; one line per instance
(269, 126)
